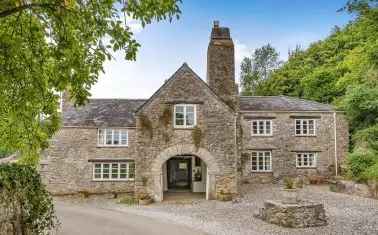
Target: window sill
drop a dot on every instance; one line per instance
(183, 128)
(262, 136)
(113, 180)
(112, 146)
(305, 135)
(262, 171)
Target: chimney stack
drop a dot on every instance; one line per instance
(221, 64)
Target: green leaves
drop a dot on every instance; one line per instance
(258, 68)
(24, 196)
(49, 46)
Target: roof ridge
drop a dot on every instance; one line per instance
(305, 100)
(131, 99)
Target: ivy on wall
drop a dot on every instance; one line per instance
(24, 201)
(197, 136)
(146, 125)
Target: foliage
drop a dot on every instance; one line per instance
(367, 138)
(146, 125)
(258, 68)
(49, 46)
(166, 115)
(197, 136)
(4, 152)
(372, 172)
(24, 196)
(128, 200)
(359, 161)
(361, 106)
(289, 183)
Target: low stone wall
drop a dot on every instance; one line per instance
(369, 190)
(301, 215)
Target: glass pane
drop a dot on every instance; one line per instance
(190, 119)
(261, 127)
(254, 127)
(116, 137)
(190, 109)
(299, 159)
(123, 171)
(131, 170)
(114, 170)
(179, 122)
(100, 137)
(179, 109)
(105, 171)
(124, 137)
(268, 127)
(108, 136)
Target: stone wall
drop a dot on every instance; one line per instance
(215, 119)
(284, 144)
(65, 166)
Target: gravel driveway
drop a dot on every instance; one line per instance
(347, 214)
(81, 219)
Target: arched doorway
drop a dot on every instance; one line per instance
(182, 152)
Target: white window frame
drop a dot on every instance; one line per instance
(307, 155)
(265, 121)
(301, 129)
(103, 142)
(118, 178)
(185, 108)
(263, 161)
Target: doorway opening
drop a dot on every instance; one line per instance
(184, 176)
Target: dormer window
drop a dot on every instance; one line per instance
(185, 116)
(113, 137)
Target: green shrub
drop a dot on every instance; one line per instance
(371, 173)
(289, 183)
(128, 200)
(23, 195)
(360, 160)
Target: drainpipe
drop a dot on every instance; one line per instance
(335, 134)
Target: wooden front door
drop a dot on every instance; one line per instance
(179, 172)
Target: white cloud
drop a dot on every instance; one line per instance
(135, 25)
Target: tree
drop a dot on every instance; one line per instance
(258, 68)
(49, 46)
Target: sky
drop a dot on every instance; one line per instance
(253, 23)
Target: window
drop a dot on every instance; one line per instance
(261, 127)
(114, 171)
(112, 137)
(305, 127)
(306, 160)
(261, 161)
(185, 116)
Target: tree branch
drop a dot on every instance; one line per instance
(25, 7)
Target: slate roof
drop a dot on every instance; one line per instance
(103, 112)
(280, 103)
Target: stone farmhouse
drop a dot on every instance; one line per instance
(192, 135)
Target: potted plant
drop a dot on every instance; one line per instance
(145, 199)
(224, 196)
(289, 192)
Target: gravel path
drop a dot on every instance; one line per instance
(347, 214)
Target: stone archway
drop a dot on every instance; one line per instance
(177, 150)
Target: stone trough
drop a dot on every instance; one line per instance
(299, 215)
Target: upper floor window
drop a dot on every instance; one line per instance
(306, 160)
(114, 170)
(185, 116)
(261, 127)
(305, 127)
(261, 161)
(113, 137)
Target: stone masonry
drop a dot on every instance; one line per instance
(223, 122)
